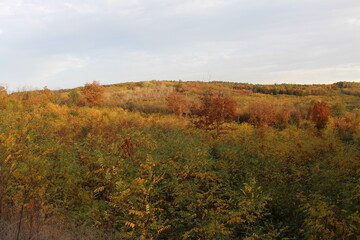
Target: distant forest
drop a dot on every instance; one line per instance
(181, 160)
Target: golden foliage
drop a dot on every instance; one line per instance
(92, 94)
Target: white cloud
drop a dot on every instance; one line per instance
(11, 8)
(320, 75)
(58, 64)
(6, 8)
(194, 7)
(106, 7)
(354, 21)
(80, 8)
(76, 41)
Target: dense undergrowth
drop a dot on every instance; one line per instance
(116, 168)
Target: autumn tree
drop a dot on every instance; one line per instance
(347, 125)
(3, 97)
(319, 114)
(264, 114)
(92, 94)
(261, 114)
(179, 103)
(214, 111)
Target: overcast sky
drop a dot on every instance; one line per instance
(62, 44)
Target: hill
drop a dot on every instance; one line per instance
(181, 160)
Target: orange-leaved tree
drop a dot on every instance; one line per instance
(92, 94)
(214, 111)
(262, 114)
(179, 103)
(319, 114)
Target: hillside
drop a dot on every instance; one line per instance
(181, 160)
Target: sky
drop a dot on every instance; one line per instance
(67, 43)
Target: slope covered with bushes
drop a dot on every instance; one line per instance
(180, 160)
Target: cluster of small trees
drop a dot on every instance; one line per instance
(209, 111)
(293, 90)
(213, 111)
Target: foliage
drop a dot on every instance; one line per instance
(73, 171)
(214, 111)
(319, 114)
(92, 94)
(179, 104)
